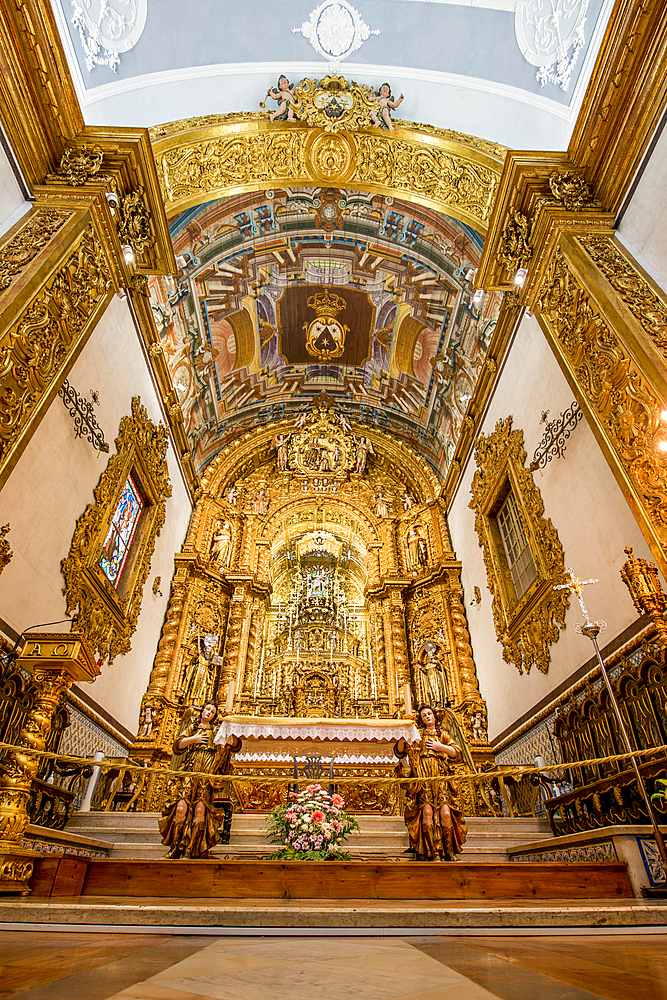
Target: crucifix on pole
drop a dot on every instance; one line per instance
(592, 629)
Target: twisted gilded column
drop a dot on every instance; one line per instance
(55, 660)
(462, 647)
(167, 644)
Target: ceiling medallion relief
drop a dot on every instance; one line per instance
(335, 29)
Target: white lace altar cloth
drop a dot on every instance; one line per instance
(349, 731)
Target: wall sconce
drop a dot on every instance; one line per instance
(128, 253)
(660, 437)
(112, 201)
(477, 596)
(156, 586)
(478, 297)
(520, 277)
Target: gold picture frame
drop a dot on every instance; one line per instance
(526, 624)
(107, 615)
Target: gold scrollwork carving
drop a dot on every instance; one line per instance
(526, 625)
(572, 191)
(33, 352)
(26, 244)
(645, 305)
(333, 104)
(5, 550)
(199, 158)
(107, 617)
(79, 164)
(619, 395)
(134, 224)
(515, 248)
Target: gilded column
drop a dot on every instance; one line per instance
(462, 647)
(399, 643)
(167, 644)
(56, 660)
(227, 687)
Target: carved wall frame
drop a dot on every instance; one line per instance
(528, 625)
(108, 617)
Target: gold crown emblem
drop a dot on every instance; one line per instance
(325, 304)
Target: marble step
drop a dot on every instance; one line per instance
(273, 917)
(136, 835)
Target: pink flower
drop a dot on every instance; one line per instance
(318, 817)
(337, 802)
(313, 788)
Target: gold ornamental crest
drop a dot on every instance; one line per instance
(325, 335)
(322, 444)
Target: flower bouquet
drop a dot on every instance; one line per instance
(310, 827)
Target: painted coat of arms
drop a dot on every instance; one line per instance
(325, 335)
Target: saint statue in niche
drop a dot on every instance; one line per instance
(407, 500)
(280, 443)
(380, 504)
(417, 550)
(221, 544)
(432, 675)
(364, 449)
(261, 503)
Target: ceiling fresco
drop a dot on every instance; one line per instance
(284, 295)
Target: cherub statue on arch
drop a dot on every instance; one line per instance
(285, 95)
(381, 117)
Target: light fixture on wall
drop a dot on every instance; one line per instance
(112, 201)
(660, 436)
(520, 277)
(478, 297)
(128, 253)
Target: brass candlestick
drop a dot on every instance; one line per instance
(642, 580)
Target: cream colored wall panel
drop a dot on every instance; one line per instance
(50, 488)
(12, 203)
(643, 228)
(587, 509)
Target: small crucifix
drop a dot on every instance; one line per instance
(576, 586)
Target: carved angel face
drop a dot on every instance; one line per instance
(427, 715)
(209, 712)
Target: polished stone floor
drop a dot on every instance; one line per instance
(88, 966)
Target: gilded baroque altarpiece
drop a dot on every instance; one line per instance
(317, 580)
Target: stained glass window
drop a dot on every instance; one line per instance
(121, 532)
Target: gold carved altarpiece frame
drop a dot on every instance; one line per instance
(106, 616)
(526, 626)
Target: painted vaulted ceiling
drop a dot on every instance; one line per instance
(284, 295)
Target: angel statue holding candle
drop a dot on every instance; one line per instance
(436, 827)
(190, 822)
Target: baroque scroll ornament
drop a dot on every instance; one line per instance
(515, 249)
(550, 34)
(108, 27)
(335, 29)
(38, 231)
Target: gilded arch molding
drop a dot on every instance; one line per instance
(200, 159)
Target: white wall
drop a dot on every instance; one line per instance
(643, 228)
(51, 487)
(12, 204)
(587, 509)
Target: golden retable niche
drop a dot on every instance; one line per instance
(317, 580)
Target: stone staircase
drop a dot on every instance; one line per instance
(136, 835)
